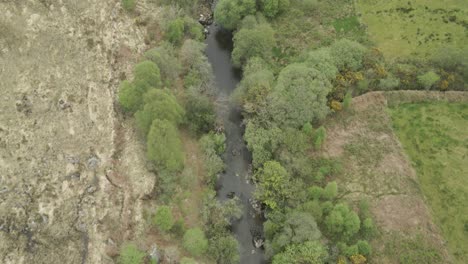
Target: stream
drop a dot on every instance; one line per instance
(236, 178)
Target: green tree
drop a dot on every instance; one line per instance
(428, 79)
(310, 252)
(163, 218)
(164, 147)
(300, 96)
(320, 136)
(200, 112)
(130, 254)
(196, 67)
(224, 249)
(322, 60)
(147, 76)
(330, 191)
(342, 222)
(195, 242)
(348, 99)
(273, 188)
(229, 13)
(347, 54)
(253, 42)
(271, 8)
(159, 104)
(261, 142)
(364, 248)
(130, 98)
(166, 58)
(254, 87)
(175, 30)
(129, 5)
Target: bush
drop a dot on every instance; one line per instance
(428, 79)
(186, 260)
(179, 228)
(163, 218)
(312, 252)
(200, 112)
(130, 98)
(195, 242)
(351, 250)
(229, 13)
(193, 29)
(130, 254)
(175, 31)
(147, 76)
(129, 5)
(253, 42)
(159, 104)
(342, 222)
(368, 228)
(348, 99)
(164, 147)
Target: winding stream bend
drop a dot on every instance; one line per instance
(235, 179)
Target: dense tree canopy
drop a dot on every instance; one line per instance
(299, 97)
(164, 147)
(257, 41)
(271, 8)
(310, 252)
(159, 104)
(147, 75)
(273, 187)
(229, 13)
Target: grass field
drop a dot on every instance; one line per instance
(435, 137)
(418, 27)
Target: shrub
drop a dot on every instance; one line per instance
(428, 79)
(195, 242)
(351, 250)
(164, 147)
(130, 98)
(175, 30)
(163, 218)
(368, 228)
(186, 260)
(129, 5)
(312, 252)
(147, 76)
(342, 222)
(178, 228)
(315, 192)
(322, 60)
(253, 42)
(229, 13)
(193, 29)
(348, 99)
(130, 254)
(272, 189)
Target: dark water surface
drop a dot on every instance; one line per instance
(237, 158)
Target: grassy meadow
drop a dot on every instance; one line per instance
(402, 28)
(435, 137)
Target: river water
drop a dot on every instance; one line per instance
(235, 179)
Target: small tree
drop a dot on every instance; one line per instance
(311, 252)
(229, 13)
(163, 218)
(147, 76)
(175, 30)
(273, 188)
(347, 54)
(164, 147)
(330, 191)
(253, 42)
(130, 254)
(166, 58)
(200, 112)
(364, 248)
(195, 242)
(271, 8)
(320, 136)
(130, 98)
(428, 79)
(224, 249)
